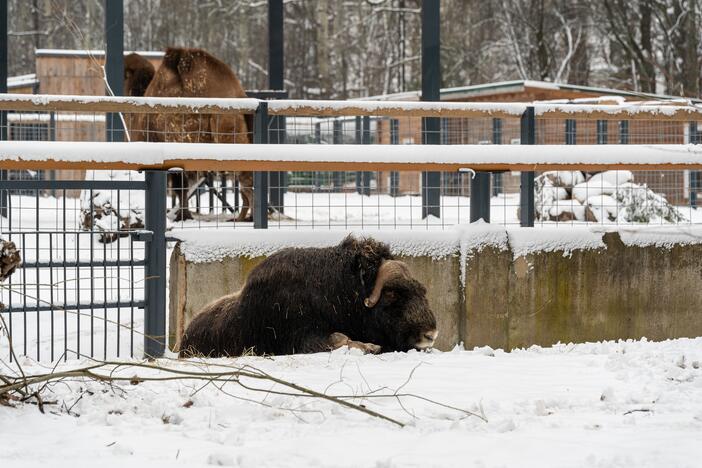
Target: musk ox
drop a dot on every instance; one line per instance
(307, 300)
(188, 73)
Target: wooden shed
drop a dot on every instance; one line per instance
(482, 131)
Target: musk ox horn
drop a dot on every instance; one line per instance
(389, 269)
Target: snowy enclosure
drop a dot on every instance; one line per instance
(609, 404)
(86, 246)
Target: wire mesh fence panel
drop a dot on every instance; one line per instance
(80, 289)
(397, 199)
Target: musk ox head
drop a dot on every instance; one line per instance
(398, 304)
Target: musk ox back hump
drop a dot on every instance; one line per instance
(204, 334)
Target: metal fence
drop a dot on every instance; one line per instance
(94, 242)
(90, 250)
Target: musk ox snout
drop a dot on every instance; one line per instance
(402, 306)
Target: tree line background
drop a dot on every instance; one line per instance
(338, 49)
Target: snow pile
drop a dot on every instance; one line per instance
(610, 196)
(609, 404)
(665, 237)
(214, 245)
(527, 241)
(107, 212)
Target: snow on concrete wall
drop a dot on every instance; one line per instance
(214, 245)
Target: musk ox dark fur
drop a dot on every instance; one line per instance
(306, 300)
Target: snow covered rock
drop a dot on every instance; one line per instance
(583, 191)
(603, 207)
(111, 211)
(612, 177)
(609, 196)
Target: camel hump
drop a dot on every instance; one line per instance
(202, 74)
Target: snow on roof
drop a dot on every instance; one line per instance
(622, 107)
(466, 155)
(22, 80)
(502, 87)
(88, 53)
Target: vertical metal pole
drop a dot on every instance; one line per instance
(52, 137)
(480, 197)
(260, 136)
(114, 63)
(155, 270)
(276, 81)
(337, 139)
(602, 132)
(3, 89)
(358, 132)
(526, 194)
(366, 140)
(276, 51)
(277, 179)
(317, 140)
(394, 140)
(694, 175)
(496, 140)
(431, 91)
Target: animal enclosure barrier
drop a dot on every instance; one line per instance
(80, 291)
(92, 228)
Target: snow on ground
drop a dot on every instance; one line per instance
(593, 405)
(611, 404)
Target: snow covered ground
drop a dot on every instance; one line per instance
(599, 405)
(612, 404)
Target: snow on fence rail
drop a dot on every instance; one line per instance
(669, 110)
(258, 157)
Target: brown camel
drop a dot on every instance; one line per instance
(188, 73)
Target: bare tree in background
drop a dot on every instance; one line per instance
(338, 49)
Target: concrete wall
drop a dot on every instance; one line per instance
(605, 292)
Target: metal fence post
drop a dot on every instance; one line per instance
(480, 190)
(3, 89)
(431, 91)
(337, 139)
(316, 183)
(497, 187)
(155, 270)
(694, 139)
(480, 197)
(366, 140)
(358, 138)
(114, 63)
(277, 179)
(394, 140)
(260, 136)
(526, 193)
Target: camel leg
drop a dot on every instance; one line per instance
(246, 191)
(180, 188)
(337, 340)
